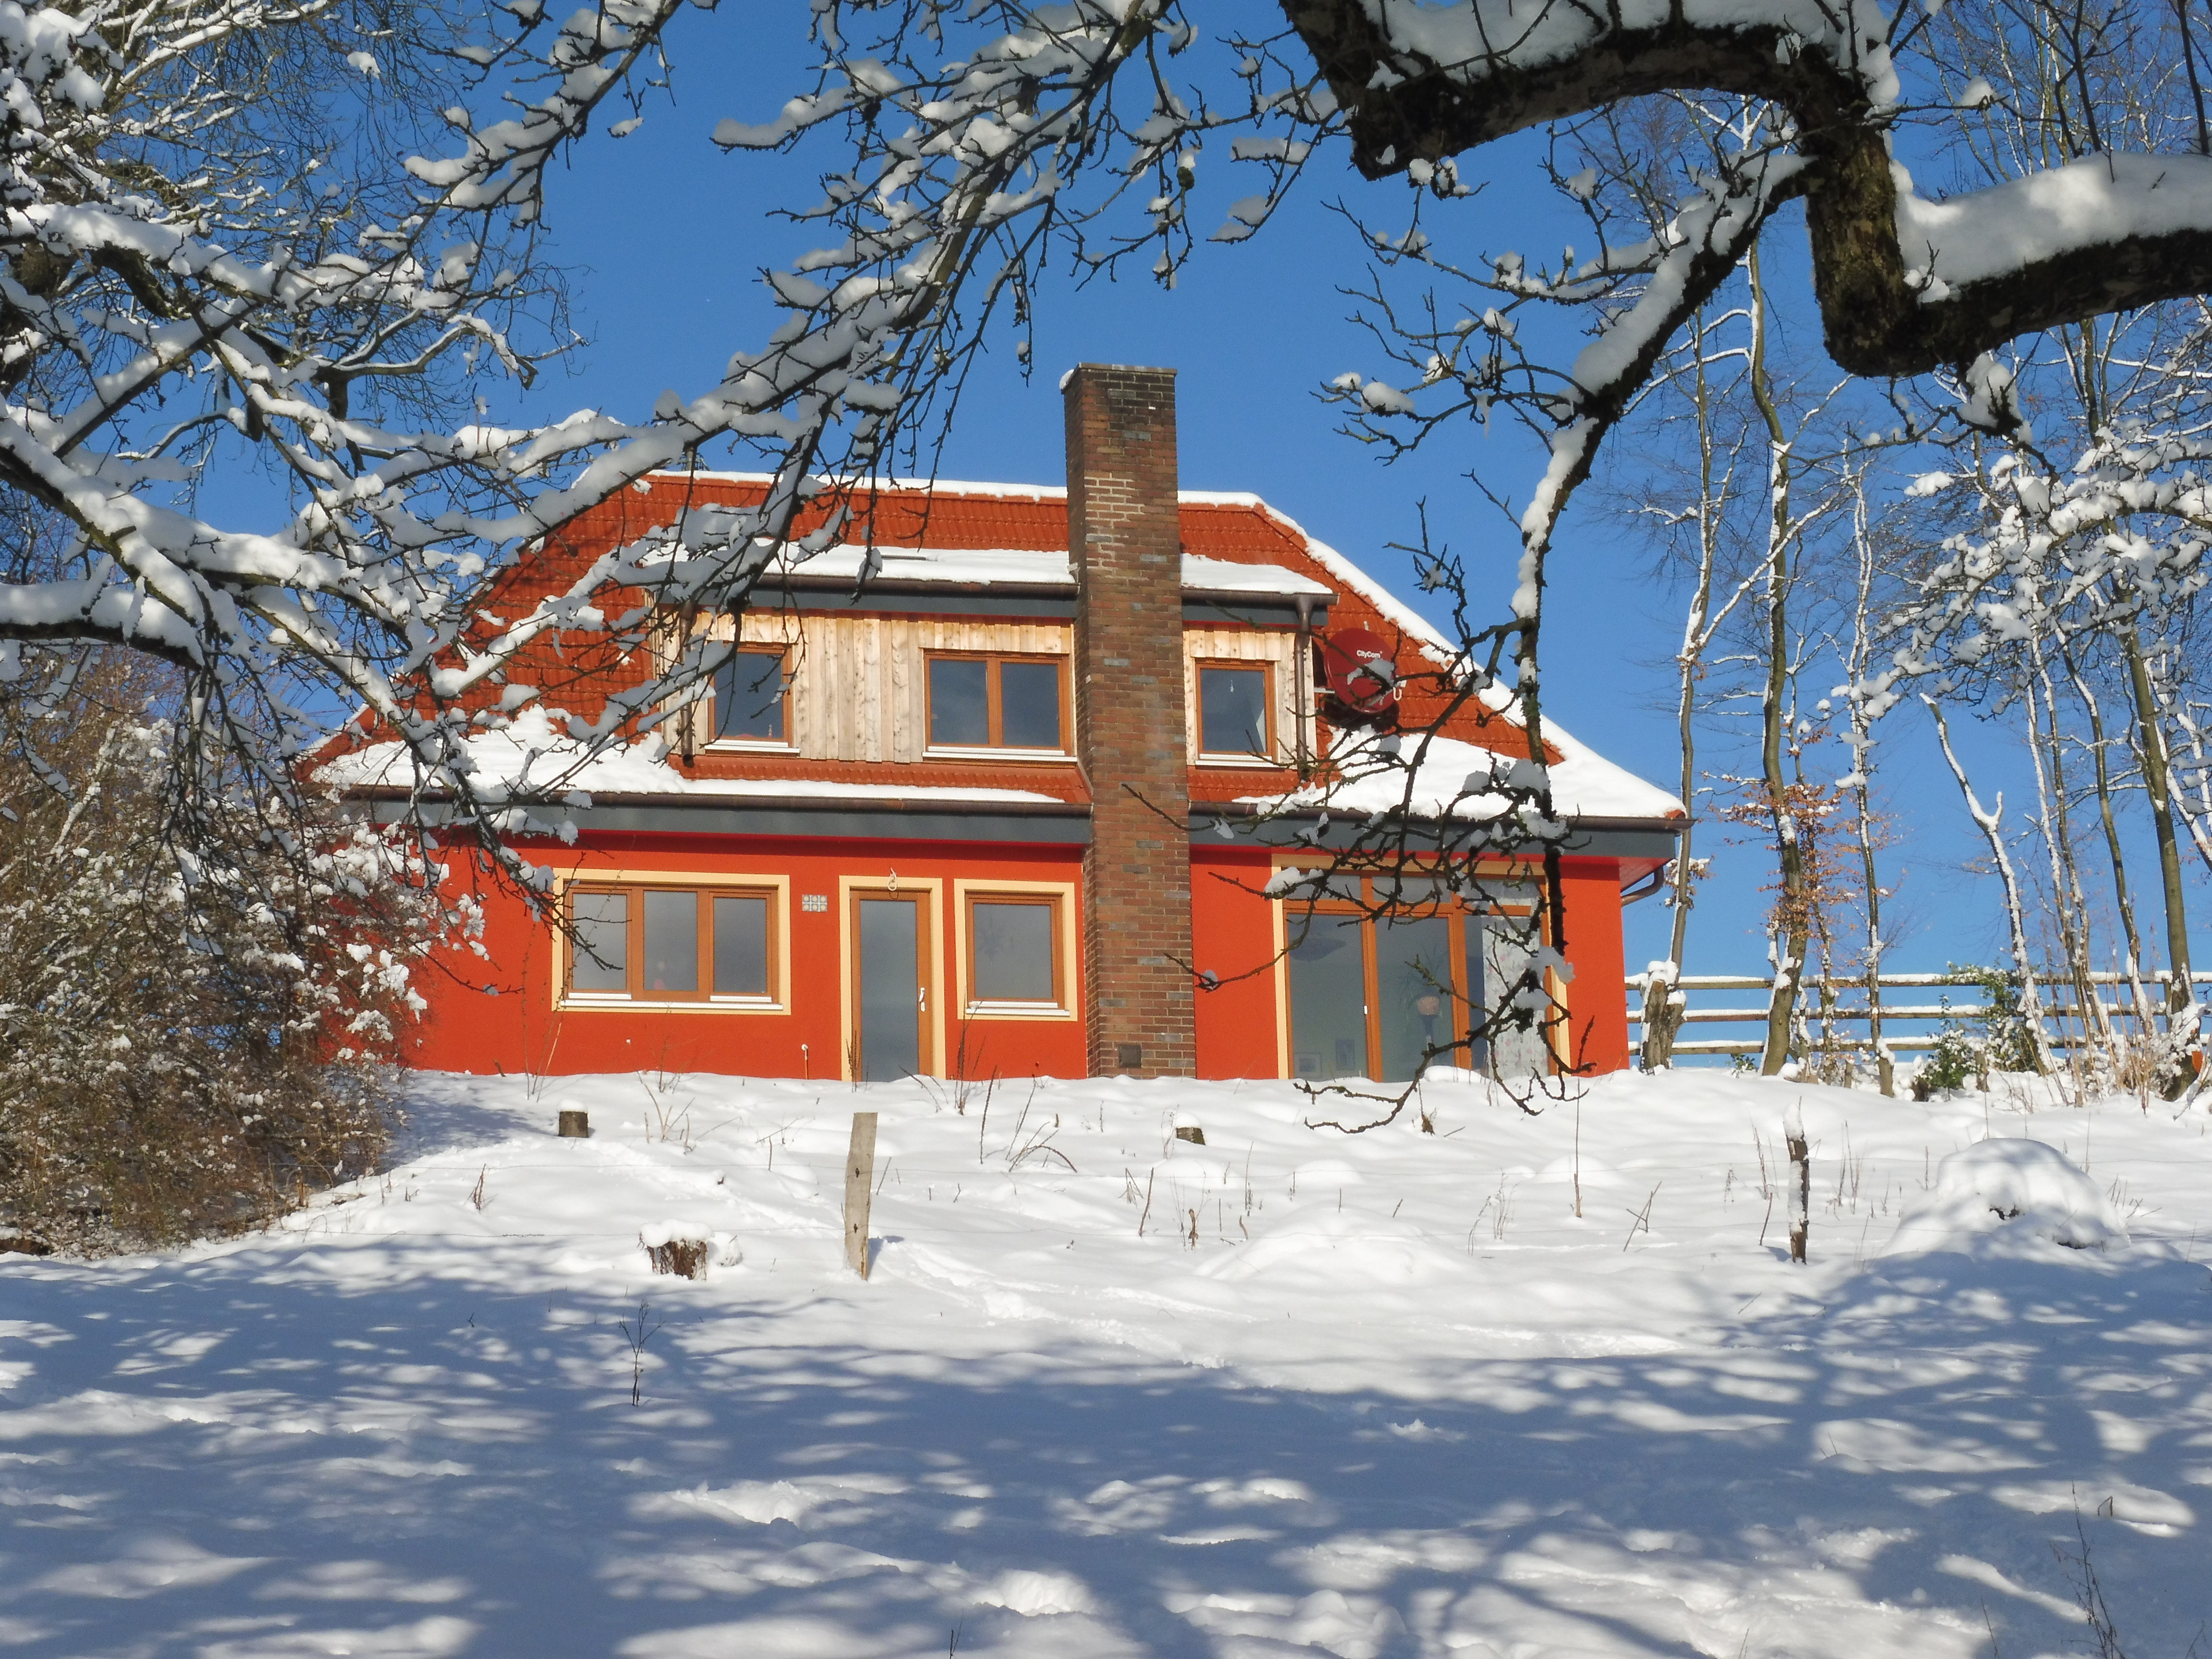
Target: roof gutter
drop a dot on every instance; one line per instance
(1041, 809)
(1019, 589)
(818, 584)
(1244, 809)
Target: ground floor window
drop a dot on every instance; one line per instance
(1017, 949)
(1012, 953)
(645, 942)
(1380, 991)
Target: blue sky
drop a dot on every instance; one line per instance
(668, 236)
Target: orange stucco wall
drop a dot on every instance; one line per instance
(1232, 933)
(498, 1012)
(516, 1026)
(1597, 1008)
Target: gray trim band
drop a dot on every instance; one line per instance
(1041, 823)
(1605, 838)
(1071, 828)
(1034, 599)
(1055, 603)
(1253, 611)
(803, 817)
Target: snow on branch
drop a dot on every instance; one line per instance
(2116, 540)
(1905, 285)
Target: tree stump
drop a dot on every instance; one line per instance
(684, 1257)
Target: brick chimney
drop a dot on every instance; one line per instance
(1124, 531)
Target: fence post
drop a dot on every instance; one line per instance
(860, 1183)
(1801, 1187)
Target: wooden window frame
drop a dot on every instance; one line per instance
(1457, 913)
(995, 749)
(1060, 894)
(1247, 758)
(776, 890)
(782, 745)
(889, 884)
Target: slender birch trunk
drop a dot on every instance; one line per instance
(1664, 1004)
(1792, 939)
(2131, 964)
(2051, 822)
(2066, 867)
(1861, 741)
(2031, 997)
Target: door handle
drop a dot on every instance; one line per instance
(921, 997)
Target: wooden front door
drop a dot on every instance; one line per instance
(891, 985)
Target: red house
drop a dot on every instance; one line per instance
(1015, 803)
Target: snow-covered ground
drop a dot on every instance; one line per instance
(1383, 1395)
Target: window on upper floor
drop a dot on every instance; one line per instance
(653, 944)
(1234, 705)
(752, 697)
(997, 703)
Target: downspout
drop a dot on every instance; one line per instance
(1304, 680)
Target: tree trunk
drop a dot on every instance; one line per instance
(1664, 1005)
(2123, 899)
(2059, 841)
(2152, 743)
(2031, 998)
(1791, 934)
(1861, 741)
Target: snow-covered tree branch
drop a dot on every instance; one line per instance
(1905, 284)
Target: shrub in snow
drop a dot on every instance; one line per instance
(193, 1017)
(1955, 1061)
(2010, 1188)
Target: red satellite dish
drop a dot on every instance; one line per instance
(1361, 674)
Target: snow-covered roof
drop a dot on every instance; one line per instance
(1013, 566)
(1205, 575)
(1443, 777)
(527, 759)
(1029, 567)
(1586, 784)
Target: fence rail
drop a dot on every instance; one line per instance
(1822, 1018)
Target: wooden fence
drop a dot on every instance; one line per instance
(1835, 1010)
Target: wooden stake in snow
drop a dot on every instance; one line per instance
(1801, 1187)
(860, 1183)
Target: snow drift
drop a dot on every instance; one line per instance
(2011, 1189)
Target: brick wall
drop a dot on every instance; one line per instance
(1123, 528)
